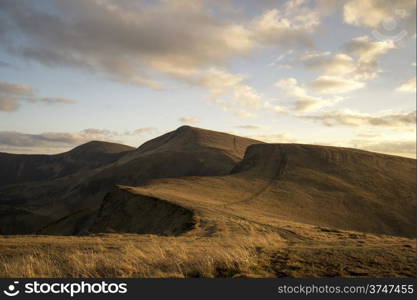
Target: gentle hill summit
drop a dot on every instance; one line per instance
(19, 168)
(94, 147)
(193, 139)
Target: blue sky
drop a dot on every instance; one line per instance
(314, 71)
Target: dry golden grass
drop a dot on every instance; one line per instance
(131, 256)
(324, 254)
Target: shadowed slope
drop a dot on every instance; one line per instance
(20, 168)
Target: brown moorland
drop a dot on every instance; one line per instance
(198, 203)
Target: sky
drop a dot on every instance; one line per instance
(330, 72)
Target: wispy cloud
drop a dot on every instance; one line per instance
(61, 141)
(12, 95)
(359, 60)
(404, 120)
(303, 100)
(409, 86)
(335, 85)
(252, 127)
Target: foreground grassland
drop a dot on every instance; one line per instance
(317, 252)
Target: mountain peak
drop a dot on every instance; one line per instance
(188, 138)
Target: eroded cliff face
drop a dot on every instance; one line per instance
(125, 212)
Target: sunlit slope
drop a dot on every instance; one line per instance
(325, 186)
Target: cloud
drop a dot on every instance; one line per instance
(252, 127)
(222, 83)
(244, 114)
(359, 60)
(368, 51)
(403, 120)
(339, 64)
(303, 101)
(189, 120)
(49, 100)
(274, 138)
(105, 133)
(48, 139)
(55, 142)
(142, 131)
(396, 147)
(98, 132)
(388, 16)
(12, 95)
(409, 86)
(291, 26)
(314, 54)
(8, 104)
(15, 89)
(227, 90)
(137, 41)
(335, 85)
(369, 135)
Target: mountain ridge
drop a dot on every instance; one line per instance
(213, 173)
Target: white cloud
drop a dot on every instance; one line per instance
(291, 26)
(368, 51)
(390, 119)
(335, 85)
(409, 86)
(388, 15)
(142, 131)
(339, 64)
(359, 60)
(252, 127)
(314, 54)
(304, 101)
